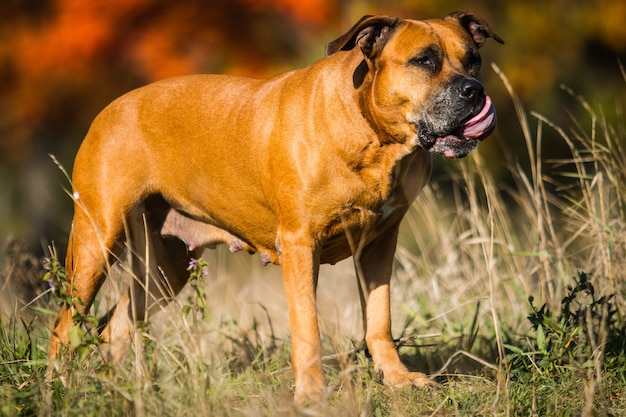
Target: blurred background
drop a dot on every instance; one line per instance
(62, 61)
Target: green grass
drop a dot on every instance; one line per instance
(471, 254)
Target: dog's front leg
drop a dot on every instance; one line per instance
(376, 262)
(300, 267)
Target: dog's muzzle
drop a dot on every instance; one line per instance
(458, 141)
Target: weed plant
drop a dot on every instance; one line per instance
(584, 342)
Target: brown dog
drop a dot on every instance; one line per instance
(309, 167)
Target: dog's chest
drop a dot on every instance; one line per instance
(376, 208)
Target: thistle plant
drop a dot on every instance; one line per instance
(196, 302)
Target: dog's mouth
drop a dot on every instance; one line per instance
(463, 139)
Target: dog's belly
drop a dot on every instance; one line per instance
(197, 234)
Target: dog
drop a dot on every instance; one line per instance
(312, 166)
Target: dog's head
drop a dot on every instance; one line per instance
(422, 79)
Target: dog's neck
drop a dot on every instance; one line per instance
(386, 139)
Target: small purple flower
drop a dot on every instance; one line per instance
(51, 285)
(193, 263)
(46, 264)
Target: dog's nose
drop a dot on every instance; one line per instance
(471, 89)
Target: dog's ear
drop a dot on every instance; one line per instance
(476, 26)
(370, 33)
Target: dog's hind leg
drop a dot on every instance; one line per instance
(90, 250)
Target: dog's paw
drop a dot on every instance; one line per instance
(408, 379)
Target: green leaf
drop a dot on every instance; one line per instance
(541, 339)
(514, 349)
(75, 336)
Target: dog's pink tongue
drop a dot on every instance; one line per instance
(483, 123)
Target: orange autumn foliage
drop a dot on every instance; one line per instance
(306, 11)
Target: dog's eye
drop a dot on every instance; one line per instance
(422, 61)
